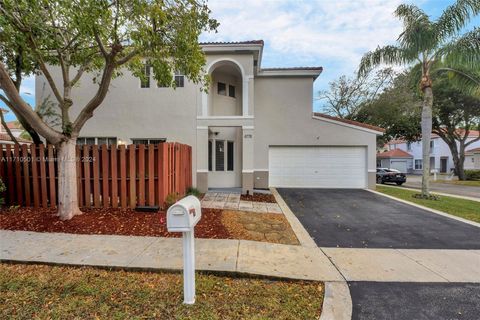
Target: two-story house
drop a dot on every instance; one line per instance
(440, 155)
(255, 128)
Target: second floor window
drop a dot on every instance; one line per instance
(179, 80)
(231, 91)
(432, 144)
(222, 89)
(409, 146)
(145, 83)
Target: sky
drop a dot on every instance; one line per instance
(333, 34)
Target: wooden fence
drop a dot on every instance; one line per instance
(107, 176)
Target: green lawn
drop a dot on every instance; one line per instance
(462, 183)
(46, 292)
(466, 209)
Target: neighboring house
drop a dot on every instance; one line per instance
(395, 159)
(472, 159)
(16, 130)
(253, 129)
(440, 155)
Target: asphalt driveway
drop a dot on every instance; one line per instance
(361, 219)
(405, 301)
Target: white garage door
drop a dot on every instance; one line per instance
(399, 165)
(318, 167)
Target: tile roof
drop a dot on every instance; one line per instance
(294, 68)
(232, 42)
(6, 137)
(395, 153)
(352, 122)
(14, 125)
(472, 151)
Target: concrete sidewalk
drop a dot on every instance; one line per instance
(259, 258)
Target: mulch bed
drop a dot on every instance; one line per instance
(109, 221)
(259, 197)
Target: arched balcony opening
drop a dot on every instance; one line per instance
(225, 95)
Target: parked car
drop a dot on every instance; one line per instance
(385, 175)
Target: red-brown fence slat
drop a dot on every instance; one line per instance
(123, 177)
(141, 174)
(114, 173)
(43, 175)
(26, 175)
(10, 183)
(51, 176)
(18, 174)
(79, 175)
(96, 177)
(151, 175)
(86, 162)
(105, 177)
(132, 176)
(35, 185)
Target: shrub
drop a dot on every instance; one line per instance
(191, 191)
(472, 174)
(171, 199)
(2, 189)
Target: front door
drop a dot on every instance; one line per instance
(443, 165)
(224, 157)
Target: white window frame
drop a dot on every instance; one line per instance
(415, 164)
(96, 140)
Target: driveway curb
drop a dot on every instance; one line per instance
(302, 235)
(337, 302)
(472, 223)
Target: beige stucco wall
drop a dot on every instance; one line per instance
(224, 105)
(129, 111)
(283, 116)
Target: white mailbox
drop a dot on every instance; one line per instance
(184, 214)
(182, 217)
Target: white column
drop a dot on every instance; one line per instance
(245, 97)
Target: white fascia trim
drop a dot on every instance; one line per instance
(260, 169)
(380, 133)
(202, 128)
(248, 127)
(247, 171)
(224, 117)
(231, 47)
(372, 170)
(202, 171)
(289, 73)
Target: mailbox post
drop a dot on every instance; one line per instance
(182, 217)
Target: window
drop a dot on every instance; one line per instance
(409, 146)
(179, 80)
(97, 140)
(222, 89)
(148, 140)
(210, 155)
(432, 144)
(219, 155)
(473, 159)
(145, 83)
(231, 91)
(418, 164)
(230, 156)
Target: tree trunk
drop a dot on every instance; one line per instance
(67, 180)
(426, 136)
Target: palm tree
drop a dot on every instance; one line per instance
(430, 44)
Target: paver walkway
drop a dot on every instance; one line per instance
(261, 258)
(220, 200)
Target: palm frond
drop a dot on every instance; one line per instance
(466, 80)
(456, 16)
(389, 55)
(410, 14)
(464, 51)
